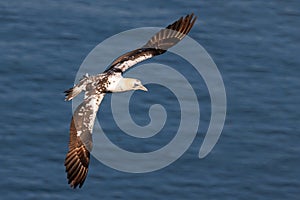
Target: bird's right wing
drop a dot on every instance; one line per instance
(80, 144)
(158, 44)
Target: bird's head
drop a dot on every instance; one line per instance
(136, 84)
(127, 84)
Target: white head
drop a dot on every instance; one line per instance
(127, 84)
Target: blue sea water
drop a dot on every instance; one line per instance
(255, 45)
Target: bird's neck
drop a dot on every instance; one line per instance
(123, 85)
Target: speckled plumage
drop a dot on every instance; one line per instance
(111, 80)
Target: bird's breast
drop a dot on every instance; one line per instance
(112, 83)
(107, 82)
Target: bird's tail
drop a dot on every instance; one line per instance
(74, 91)
(71, 93)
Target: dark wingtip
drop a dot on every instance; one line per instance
(76, 164)
(68, 94)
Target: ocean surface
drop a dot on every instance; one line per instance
(255, 45)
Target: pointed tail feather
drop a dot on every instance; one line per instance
(74, 91)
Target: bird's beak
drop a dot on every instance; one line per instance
(143, 88)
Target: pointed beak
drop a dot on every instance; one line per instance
(143, 88)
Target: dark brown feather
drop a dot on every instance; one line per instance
(172, 34)
(77, 159)
(159, 43)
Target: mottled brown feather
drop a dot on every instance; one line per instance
(159, 43)
(78, 157)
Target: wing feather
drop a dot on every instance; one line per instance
(158, 44)
(80, 144)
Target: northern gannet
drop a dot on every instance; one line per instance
(111, 80)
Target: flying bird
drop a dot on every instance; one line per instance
(111, 80)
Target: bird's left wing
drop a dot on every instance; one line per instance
(158, 44)
(80, 144)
